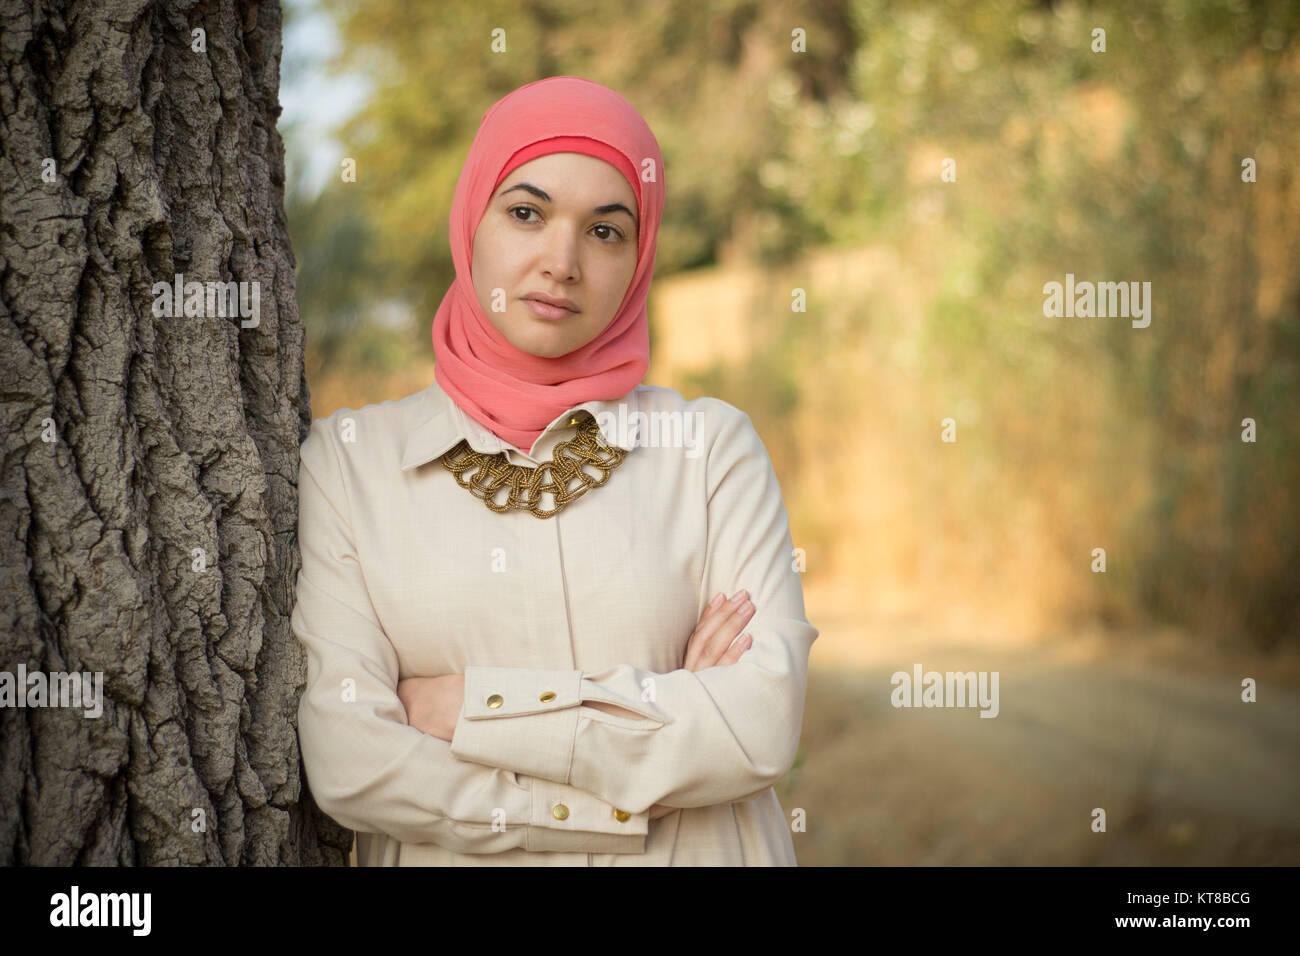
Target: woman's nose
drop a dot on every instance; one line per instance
(560, 257)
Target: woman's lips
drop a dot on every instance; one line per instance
(542, 310)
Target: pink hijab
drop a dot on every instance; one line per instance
(513, 394)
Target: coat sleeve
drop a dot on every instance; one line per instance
(718, 735)
(366, 766)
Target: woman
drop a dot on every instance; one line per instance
(512, 654)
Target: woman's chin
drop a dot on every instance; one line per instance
(545, 346)
(547, 342)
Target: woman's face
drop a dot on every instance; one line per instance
(563, 225)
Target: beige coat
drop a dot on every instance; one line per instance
(405, 573)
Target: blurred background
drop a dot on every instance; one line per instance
(823, 170)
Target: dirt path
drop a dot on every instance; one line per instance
(1156, 734)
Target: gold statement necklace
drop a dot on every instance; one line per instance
(527, 485)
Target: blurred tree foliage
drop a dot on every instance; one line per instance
(338, 271)
(1127, 165)
(1115, 165)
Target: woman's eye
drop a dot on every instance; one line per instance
(612, 233)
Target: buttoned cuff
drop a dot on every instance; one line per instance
(539, 741)
(562, 816)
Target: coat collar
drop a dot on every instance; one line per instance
(440, 423)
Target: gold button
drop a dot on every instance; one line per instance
(495, 701)
(560, 812)
(573, 420)
(622, 816)
(547, 697)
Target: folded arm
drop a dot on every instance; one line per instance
(718, 735)
(366, 766)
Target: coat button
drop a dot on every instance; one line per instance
(622, 816)
(547, 697)
(495, 701)
(560, 812)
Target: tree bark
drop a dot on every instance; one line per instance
(148, 503)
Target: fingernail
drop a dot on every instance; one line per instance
(716, 600)
(739, 597)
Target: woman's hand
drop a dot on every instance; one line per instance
(711, 644)
(433, 704)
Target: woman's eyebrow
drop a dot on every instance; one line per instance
(529, 187)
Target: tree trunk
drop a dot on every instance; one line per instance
(149, 493)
